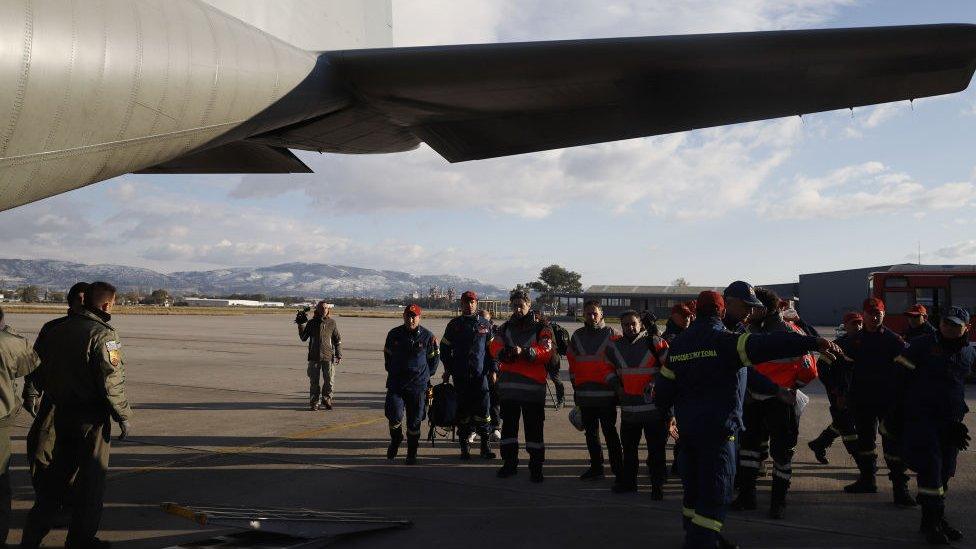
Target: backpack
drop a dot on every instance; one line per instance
(442, 412)
(561, 337)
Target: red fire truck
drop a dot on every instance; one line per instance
(938, 288)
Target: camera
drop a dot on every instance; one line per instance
(302, 316)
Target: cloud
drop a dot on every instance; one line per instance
(960, 251)
(869, 188)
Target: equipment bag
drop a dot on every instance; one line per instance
(561, 337)
(443, 411)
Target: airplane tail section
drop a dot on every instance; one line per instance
(318, 25)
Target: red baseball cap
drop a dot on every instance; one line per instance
(469, 295)
(848, 317)
(681, 309)
(873, 304)
(709, 301)
(917, 310)
(413, 309)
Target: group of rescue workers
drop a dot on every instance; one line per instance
(74, 389)
(722, 380)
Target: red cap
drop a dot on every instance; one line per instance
(873, 304)
(917, 310)
(681, 309)
(412, 309)
(469, 295)
(848, 317)
(710, 302)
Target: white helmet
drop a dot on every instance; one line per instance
(576, 418)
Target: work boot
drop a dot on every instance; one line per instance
(623, 488)
(901, 496)
(465, 449)
(777, 502)
(535, 473)
(593, 473)
(93, 543)
(486, 452)
(863, 485)
(819, 451)
(952, 533)
(313, 405)
(932, 525)
(657, 493)
(396, 437)
(327, 402)
(746, 500)
(509, 469)
(413, 442)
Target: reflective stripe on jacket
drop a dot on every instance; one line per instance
(637, 363)
(792, 372)
(524, 378)
(589, 370)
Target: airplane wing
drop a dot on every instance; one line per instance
(482, 101)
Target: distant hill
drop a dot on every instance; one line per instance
(298, 279)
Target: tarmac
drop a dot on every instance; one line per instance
(221, 418)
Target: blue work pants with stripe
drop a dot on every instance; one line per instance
(473, 409)
(927, 453)
(533, 416)
(772, 428)
(411, 400)
(707, 465)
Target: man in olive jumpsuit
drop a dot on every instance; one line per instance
(84, 375)
(17, 359)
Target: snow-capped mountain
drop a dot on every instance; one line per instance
(297, 279)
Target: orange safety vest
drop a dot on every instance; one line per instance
(534, 370)
(637, 381)
(591, 372)
(790, 372)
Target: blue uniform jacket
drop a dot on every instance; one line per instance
(410, 358)
(934, 379)
(873, 377)
(755, 381)
(464, 351)
(705, 376)
(925, 329)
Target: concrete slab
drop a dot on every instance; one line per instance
(221, 419)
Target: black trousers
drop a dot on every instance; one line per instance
(495, 420)
(868, 420)
(656, 436)
(602, 418)
(772, 428)
(533, 416)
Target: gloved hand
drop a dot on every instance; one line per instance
(301, 318)
(123, 430)
(958, 435)
(32, 404)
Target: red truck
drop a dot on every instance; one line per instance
(938, 288)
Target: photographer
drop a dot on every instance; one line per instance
(324, 352)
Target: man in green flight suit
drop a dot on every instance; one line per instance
(84, 375)
(17, 359)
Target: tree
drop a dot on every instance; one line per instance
(157, 297)
(55, 296)
(553, 279)
(29, 294)
(680, 282)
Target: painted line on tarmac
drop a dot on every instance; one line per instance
(205, 453)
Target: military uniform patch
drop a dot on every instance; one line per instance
(114, 355)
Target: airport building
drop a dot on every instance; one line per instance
(820, 298)
(208, 302)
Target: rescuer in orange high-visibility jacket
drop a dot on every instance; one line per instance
(593, 378)
(637, 357)
(771, 425)
(525, 352)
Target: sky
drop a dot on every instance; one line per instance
(762, 201)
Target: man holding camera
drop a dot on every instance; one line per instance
(324, 353)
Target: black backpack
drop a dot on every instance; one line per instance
(561, 337)
(442, 413)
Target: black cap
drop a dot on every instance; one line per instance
(744, 291)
